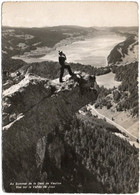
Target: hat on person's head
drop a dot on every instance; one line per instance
(60, 52)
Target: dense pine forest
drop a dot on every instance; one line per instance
(129, 76)
(113, 160)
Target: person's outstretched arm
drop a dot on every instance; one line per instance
(64, 56)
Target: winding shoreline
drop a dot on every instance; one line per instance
(42, 51)
(39, 54)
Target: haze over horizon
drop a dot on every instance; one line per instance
(80, 13)
(67, 26)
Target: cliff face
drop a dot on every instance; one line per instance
(32, 109)
(125, 52)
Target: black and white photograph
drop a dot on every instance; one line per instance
(70, 102)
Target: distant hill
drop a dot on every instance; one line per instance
(125, 30)
(16, 41)
(125, 52)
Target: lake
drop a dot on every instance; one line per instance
(91, 51)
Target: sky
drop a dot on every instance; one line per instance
(40, 14)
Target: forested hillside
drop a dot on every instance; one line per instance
(112, 160)
(129, 76)
(17, 41)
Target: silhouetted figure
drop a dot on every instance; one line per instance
(62, 58)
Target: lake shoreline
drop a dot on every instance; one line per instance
(42, 51)
(78, 50)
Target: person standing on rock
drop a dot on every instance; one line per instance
(62, 59)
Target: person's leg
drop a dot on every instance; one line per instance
(61, 73)
(69, 69)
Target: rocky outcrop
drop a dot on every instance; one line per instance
(125, 52)
(33, 108)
